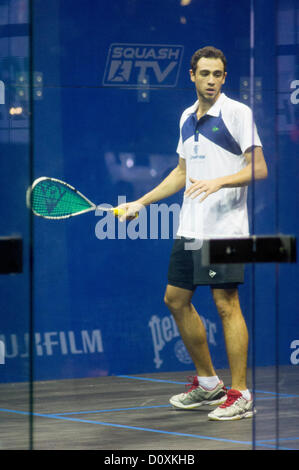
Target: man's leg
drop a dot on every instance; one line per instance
(239, 403)
(191, 328)
(235, 334)
(206, 388)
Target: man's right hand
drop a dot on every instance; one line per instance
(128, 211)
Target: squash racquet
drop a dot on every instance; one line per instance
(52, 198)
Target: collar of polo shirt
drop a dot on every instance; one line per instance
(213, 111)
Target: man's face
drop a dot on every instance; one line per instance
(208, 78)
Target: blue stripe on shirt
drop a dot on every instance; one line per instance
(213, 128)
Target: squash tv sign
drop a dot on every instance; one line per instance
(135, 65)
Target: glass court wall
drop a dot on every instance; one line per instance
(16, 378)
(92, 93)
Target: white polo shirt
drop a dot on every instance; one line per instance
(212, 147)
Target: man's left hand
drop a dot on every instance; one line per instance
(199, 187)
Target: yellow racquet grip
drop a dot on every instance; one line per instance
(118, 212)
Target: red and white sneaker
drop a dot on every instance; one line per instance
(198, 396)
(235, 407)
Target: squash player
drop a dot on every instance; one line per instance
(217, 147)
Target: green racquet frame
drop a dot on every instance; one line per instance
(52, 198)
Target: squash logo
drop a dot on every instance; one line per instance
(135, 65)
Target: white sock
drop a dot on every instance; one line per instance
(246, 394)
(208, 382)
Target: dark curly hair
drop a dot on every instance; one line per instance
(208, 52)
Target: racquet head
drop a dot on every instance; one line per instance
(54, 199)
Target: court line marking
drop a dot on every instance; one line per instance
(62, 416)
(150, 380)
(110, 410)
(271, 397)
(280, 439)
(284, 395)
(137, 428)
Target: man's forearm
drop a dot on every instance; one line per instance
(173, 183)
(256, 169)
(244, 177)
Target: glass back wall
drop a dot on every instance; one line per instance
(108, 82)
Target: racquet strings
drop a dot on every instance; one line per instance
(52, 199)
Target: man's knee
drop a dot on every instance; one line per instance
(177, 299)
(227, 301)
(173, 303)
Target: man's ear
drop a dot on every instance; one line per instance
(192, 77)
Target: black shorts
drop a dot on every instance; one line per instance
(186, 270)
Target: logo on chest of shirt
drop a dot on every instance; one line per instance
(196, 153)
(198, 157)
